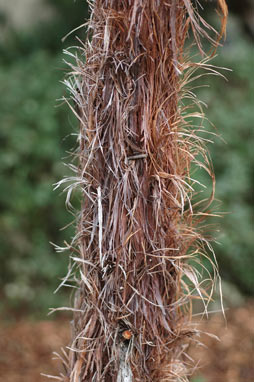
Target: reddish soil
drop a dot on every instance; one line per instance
(26, 349)
(231, 358)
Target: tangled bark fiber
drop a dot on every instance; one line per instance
(136, 228)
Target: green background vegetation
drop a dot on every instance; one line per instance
(37, 132)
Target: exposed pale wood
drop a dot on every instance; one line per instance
(124, 373)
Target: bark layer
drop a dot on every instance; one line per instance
(137, 223)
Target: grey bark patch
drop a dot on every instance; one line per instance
(124, 373)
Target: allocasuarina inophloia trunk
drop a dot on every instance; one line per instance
(136, 228)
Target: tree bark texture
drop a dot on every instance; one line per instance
(136, 227)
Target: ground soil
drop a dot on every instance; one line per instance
(26, 348)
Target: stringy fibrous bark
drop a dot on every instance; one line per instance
(138, 225)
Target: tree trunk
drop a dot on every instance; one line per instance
(137, 224)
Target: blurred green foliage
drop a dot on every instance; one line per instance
(198, 379)
(37, 131)
(230, 108)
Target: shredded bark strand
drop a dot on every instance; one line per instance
(138, 225)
